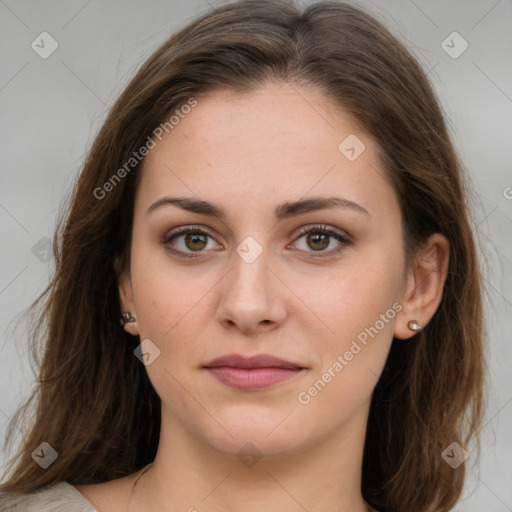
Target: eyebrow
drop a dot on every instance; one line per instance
(282, 211)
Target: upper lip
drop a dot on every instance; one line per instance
(256, 361)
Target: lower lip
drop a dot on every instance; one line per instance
(252, 378)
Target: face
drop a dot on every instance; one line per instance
(316, 285)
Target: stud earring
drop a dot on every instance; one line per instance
(126, 318)
(414, 325)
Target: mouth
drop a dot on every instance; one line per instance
(252, 373)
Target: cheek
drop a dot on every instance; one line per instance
(349, 363)
(352, 298)
(161, 306)
(358, 311)
(167, 306)
(165, 295)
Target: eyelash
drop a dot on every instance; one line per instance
(317, 229)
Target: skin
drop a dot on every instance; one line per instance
(248, 153)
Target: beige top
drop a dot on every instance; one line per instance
(61, 497)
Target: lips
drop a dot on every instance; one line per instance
(252, 373)
(257, 361)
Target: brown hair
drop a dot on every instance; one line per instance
(95, 404)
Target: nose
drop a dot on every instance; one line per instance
(252, 297)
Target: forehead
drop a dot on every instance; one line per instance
(278, 143)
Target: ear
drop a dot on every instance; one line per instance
(424, 285)
(126, 298)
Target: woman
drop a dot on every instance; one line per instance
(266, 293)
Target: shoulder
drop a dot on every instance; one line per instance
(61, 497)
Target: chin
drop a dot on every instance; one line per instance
(268, 436)
(259, 447)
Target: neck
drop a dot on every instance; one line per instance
(189, 474)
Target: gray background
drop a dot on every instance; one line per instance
(50, 110)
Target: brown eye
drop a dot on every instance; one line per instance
(195, 242)
(186, 241)
(318, 238)
(318, 241)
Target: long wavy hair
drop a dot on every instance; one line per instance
(94, 403)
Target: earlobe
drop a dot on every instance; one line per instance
(424, 287)
(129, 323)
(128, 317)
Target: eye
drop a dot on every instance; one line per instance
(190, 238)
(186, 241)
(319, 237)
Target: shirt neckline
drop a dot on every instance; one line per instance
(82, 497)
